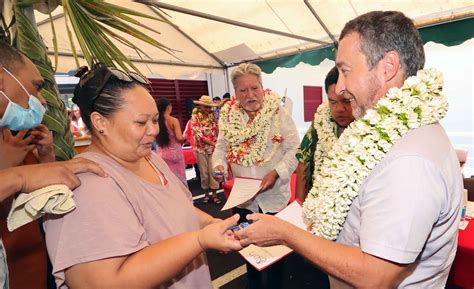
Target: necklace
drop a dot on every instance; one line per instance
(247, 140)
(363, 145)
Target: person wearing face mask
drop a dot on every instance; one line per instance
(20, 124)
(21, 135)
(258, 138)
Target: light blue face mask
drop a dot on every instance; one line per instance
(18, 118)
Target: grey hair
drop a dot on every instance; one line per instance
(384, 31)
(246, 68)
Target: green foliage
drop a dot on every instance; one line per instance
(95, 24)
(30, 42)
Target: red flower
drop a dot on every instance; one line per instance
(277, 138)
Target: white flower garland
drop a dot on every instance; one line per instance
(248, 141)
(365, 142)
(325, 127)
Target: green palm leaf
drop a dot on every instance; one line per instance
(93, 22)
(30, 42)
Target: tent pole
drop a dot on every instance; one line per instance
(228, 21)
(140, 60)
(310, 7)
(47, 20)
(226, 75)
(187, 36)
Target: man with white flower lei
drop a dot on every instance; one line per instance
(258, 138)
(391, 201)
(332, 117)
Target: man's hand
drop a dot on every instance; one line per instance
(14, 148)
(44, 143)
(266, 230)
(218, 176)
(216, 236)
(268, 181)
(41, 175)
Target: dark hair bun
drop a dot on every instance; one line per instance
(81, 71)
(90, 86)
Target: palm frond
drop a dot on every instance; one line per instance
(95, 23)
(31, 44)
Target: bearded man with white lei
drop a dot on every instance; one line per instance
(259, 139)
(389, 192)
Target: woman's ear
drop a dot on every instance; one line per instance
(99, 123)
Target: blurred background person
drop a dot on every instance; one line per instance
(76, 132)
(205, 131)
(169, 140)
(189, 140)
(77, 125)
(225, 98)
(217, 100)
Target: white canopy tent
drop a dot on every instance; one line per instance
(211, 35)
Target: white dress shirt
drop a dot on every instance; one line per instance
(283, 162)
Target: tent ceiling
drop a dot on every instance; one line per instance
(204, 44)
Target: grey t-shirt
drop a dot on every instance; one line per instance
(121, 214)
(407, 210)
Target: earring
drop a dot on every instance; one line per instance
(101, 131)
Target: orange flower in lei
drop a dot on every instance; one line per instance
(247, 140)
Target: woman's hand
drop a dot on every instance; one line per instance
(217, 236)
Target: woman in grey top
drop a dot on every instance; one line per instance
(136, 228)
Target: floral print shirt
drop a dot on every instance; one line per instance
(204, 128)
(306, 150)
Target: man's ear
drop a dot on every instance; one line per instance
(99, 123)
(391, 66)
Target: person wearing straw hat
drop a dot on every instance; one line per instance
(204, 130)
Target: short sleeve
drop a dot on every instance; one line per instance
(305, 151)
(103, 225)
(399, 206)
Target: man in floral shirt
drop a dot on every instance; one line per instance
(204, 131)
(340, 117)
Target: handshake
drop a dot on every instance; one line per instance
(227, 235)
